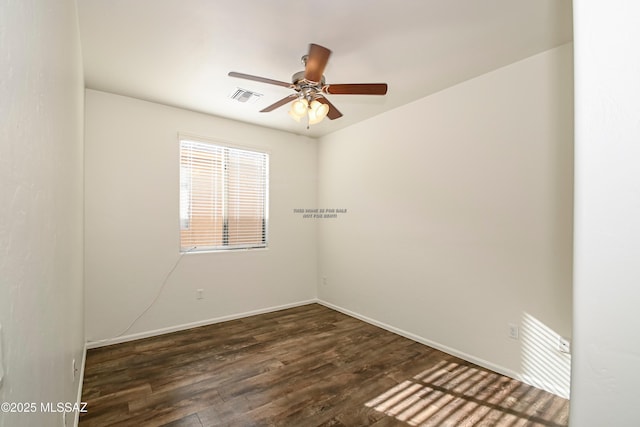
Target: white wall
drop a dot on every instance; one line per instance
(41, 294)
(459, 218)
(132, 222)
(607, 215)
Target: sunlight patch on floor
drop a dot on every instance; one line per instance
(458, 394)
(424, 397)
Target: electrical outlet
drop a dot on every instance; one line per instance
(74, 370)
(324, 281)
(199, 293)
(514, 331)
(564, 345)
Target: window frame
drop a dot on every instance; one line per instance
(224, 145)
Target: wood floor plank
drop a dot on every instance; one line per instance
(188, 421)
(306, 366)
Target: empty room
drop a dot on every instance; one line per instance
(287, 213)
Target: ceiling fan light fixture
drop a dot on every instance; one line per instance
(313, 119)
(299, 107)
(319, 109)
(294, 116)
(315, 113)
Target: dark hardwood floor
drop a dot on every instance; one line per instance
(305, 366)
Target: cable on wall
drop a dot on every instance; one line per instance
(160, 289)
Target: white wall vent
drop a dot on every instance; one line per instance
(243, 95)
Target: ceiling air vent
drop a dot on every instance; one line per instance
(243, 95)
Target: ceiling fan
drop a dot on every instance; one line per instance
(310, 88)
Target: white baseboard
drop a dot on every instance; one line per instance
(76, 419)
(452, 351)
(156, 332)
(449, 350)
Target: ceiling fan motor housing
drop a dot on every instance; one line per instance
(307, 89)
(298, 79)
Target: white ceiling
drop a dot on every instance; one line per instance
(178, 52)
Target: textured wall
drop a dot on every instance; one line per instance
(41, 294)
(132, 222)
(458, 222)
(607, 215)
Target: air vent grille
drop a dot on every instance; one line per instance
(243, 95)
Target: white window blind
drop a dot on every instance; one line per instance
(223, 197)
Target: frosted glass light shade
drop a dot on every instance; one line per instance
(294, 116)
(317, 112)
(319, 109)
(300, 107)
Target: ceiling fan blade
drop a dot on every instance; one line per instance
(259, 79)
(333, 111)
(357, 89)
(316, 62)
(278, 104)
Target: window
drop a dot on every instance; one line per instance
(223, 197)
